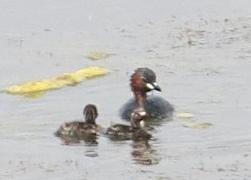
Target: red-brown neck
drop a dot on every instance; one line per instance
(140, 98)
(138, 89)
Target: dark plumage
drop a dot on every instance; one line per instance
(142, 81)
(81, 129)
(133, 132)
(155, 106)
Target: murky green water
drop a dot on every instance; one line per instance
(200, 51)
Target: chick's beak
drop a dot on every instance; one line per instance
(142, 123)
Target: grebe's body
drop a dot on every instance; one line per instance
(142, 81)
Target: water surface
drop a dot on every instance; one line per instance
(201, 52)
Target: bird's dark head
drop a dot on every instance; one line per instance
(144, 80)
(90, 113)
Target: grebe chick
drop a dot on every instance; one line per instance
(81, 129)
(135, 131)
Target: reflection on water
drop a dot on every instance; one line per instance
(151, 123)
(90, 142)
(143, 153)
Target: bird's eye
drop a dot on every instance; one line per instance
(144, 79)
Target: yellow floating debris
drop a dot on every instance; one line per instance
(96, 55)
(187, 120)
(197, 125)
(37, 88)
(184, 115)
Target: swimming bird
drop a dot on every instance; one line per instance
(142, 81)
(134, 131)
(81, 129)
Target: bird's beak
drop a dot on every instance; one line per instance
(142, 123)
(153, 86)
(156, 87)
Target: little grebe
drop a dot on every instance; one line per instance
(143, 80)
(135, 131)
(81, 129)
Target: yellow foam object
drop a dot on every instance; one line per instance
(184, 115)
(96, 55)
(197, 125)
(37, 88)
